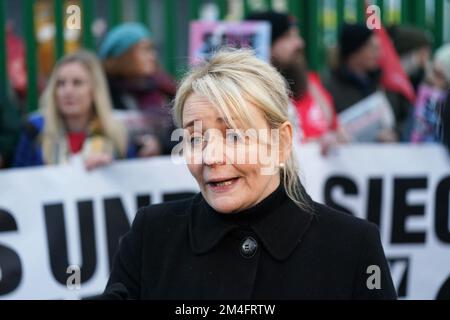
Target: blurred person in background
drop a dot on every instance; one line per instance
(357, 73)
(414, 46)
(357, 76)
(446, 122)
(74, 118)
(430, 112)
(137, 83)
(313, 114)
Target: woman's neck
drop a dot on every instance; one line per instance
(77, 123)
(357, 69)
(257, 212)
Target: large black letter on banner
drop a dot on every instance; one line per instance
(442, 210)
(401, 210)
(339, 182)
(444, 291)
(10, 265)
(116, 225)
(374, 200)
(57, 240)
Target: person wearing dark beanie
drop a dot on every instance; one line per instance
(287, 52)
(352, 38)
(359, 75)
(312, 106)
(280, 22)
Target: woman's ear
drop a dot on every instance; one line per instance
(286, 140)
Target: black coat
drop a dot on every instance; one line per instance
(185, 250)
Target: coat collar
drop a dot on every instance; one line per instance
(277, 221)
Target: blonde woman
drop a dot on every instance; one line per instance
(252, 232)
(74, 118)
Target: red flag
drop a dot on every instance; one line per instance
(16, 61)
(393, 77)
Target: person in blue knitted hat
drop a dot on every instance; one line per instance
(137, 83)
(128, 51)
(121, 38)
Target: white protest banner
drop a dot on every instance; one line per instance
(60, 222)
(404, 189)
(55, 217)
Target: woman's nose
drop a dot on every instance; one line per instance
(213, 153)
(67, 88)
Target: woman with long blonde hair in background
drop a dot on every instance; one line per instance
(74, 118)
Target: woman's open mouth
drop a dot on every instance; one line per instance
(222, 185)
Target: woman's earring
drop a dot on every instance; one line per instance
(281, 165)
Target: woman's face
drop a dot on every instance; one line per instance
(143, 55)
(368, 56)
(74, 94)
(228, 168)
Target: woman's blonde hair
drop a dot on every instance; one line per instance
(232, 79)
(54, 127)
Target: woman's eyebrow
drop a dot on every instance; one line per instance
(222, 120)
(219, 119)
(190, 123)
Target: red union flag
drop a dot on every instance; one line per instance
(393, 75)
(16, 61)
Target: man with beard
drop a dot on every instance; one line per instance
(313, 105)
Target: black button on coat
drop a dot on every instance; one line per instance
(186, 250)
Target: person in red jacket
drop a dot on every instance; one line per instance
(314, 108)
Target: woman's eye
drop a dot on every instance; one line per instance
(77, 82)
(234, 137)
(196, 140)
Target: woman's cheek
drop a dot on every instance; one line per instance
(246, 154)
(196, 172)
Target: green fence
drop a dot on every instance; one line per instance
(318, 20)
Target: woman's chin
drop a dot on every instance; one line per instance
(223, 203)
(226, 198)
(225, 209)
